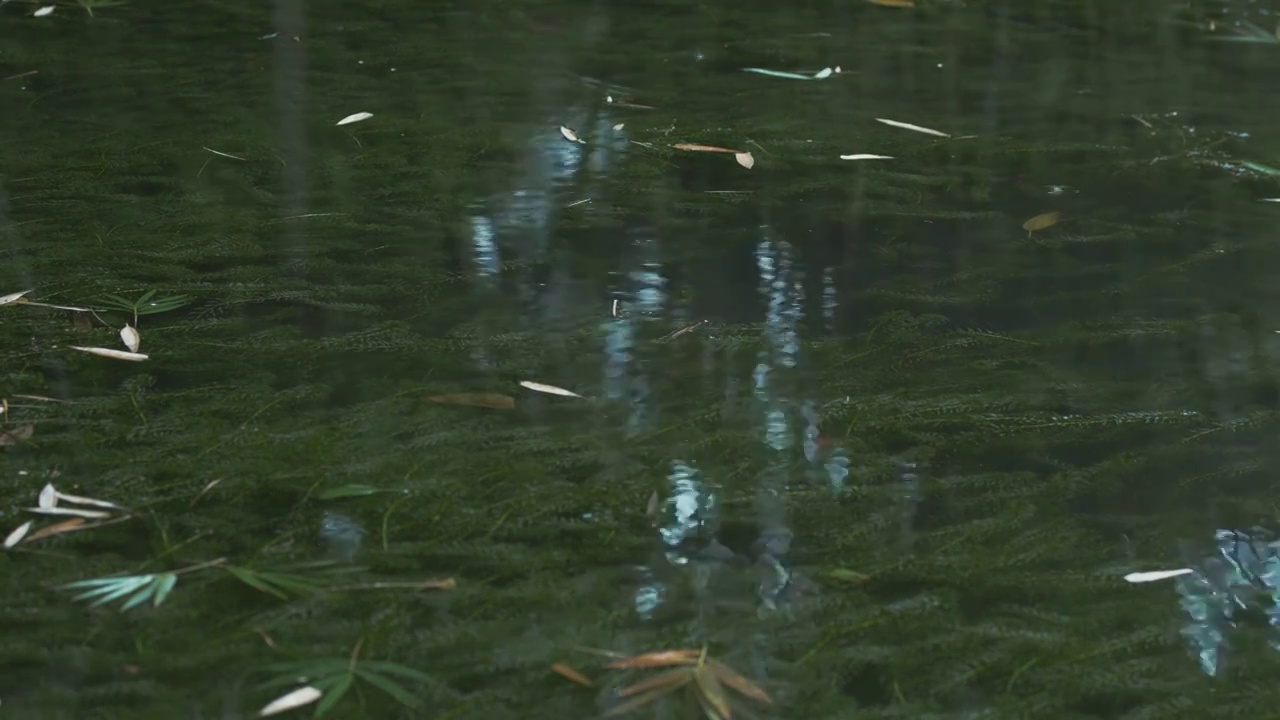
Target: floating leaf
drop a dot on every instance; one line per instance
(570, 674)
(569, 135)
(65, 526)
(1042, 221)
(618, 126)
(300, 697)
(355, 118)
(80, 500)
(1156, 575)
(866, 156)
(694, 147)
(9, 438)
(495, 401)
(44, 11)
(778, 74)
(745, 160)
(12, 297)
(48, 497)
(909, 126)
(18, 533)
(75, 512)
(549, 389)
(347, 491)
(129, 335)
(825, 73)
(109, 353)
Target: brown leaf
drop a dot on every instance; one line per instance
(570, 674)
(9, 438)
(667, 682)
(733, 679)
(711, 693)
(495, 401)
(694, 147)
(662, 658)
(65, 526)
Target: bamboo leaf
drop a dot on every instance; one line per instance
(334, 693)
(388, 686)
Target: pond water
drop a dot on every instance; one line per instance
(594, 334)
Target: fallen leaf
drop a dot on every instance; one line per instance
(18, 533)
(1042, 221)
(304, 695)
(12, 297)
(779, 74)
(79, 500)
(65, 526)
(48, 497)
(9, 438)
(129, 335)
(909, 126)
(549, 389)
(91, 514)
(1156, 575)
(662, 658)
(618, 126)
(569, 135)
(866, 156)
(570, 674)
(44, 11)
(495, 401)
(745, 160)
(109, 353)
(355, 118)
(347, 491)
(823, 74)
(694, 147)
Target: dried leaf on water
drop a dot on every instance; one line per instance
(568, 673)
(81, 500)
(129, 335)
(914, 128)
(711, 694)
(1042, 221)
(75, 512)
(109, 353)
(735, 680)
(59, 528)
(495, 401)
(304, 695)
(9, 438)
(745, 160)
(661, 658)
(866, 156)
(694, 147)
(569, 135)
(12, 297)
(354, 118)
(48, 497)
(549, 389)
(18, 533)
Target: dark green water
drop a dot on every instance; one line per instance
(902, 460)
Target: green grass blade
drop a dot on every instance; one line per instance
(254, 580)
(390, 668)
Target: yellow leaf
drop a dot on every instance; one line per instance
(1042, 221)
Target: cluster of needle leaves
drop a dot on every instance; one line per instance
(706, 683)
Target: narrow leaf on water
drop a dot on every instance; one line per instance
(80, 500)
(304, 695)
(18, 533)
(778, 74)
(915, 128)
(1156, 575)
(549, 389)
(866, 156)
(745, 160)
(694, 147)
(12, 297)
(569, 135)
(44, 11)
(568, 673)
(355, 118)
(347, 491)
(109, 353)
(74, 512)
(129, 335)
(494, 401)
(58, 528)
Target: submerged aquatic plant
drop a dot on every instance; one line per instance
(706, 683)
(330, 678)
